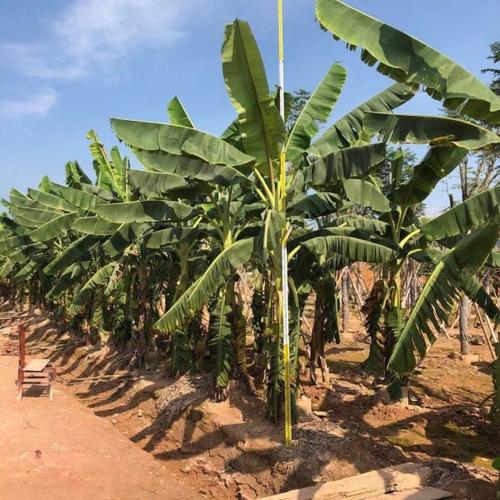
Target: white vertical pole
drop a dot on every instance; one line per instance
(284, 252)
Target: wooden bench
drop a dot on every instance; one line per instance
(38, 371)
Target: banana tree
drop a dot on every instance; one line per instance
(249, 152)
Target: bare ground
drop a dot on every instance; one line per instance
(229, 450)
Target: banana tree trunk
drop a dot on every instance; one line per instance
(413, 295)
(464, 326)
(144, 317)
(345, 301)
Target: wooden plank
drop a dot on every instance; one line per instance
(36, 365)
(426, 493)
(368, 485)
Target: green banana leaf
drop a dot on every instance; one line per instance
(359, 222)
(6, 268)
(364, 192)
(98, 279)
(81, 199)
(354, 249)
(71, 254)
(437, 164)
(109, 175)
(12, 243)
(190, 168)
(125, 235)
(207, 285)
(35, 215)
(434, 130)
(317, 109)
(51, 201)
(26, 271)
(315, 205)
(171, 236)
(438, 296)
(472, 213)
(65, 281)
(178, 140)
(95, 226)
(155, 183)
(405, 58)
(262, 129)
(75, 175)
(349, 129)
(177, 113)
(349, 162)
(53, 228)
(146, 211)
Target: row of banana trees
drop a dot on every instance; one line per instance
(159, 257)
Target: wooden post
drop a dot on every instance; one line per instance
(345, 301)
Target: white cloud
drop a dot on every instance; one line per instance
(35, 104)
(92, 35)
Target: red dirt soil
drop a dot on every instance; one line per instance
(229, 450)
(61, 450)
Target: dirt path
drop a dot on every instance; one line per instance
(106, 434)
(61, 450)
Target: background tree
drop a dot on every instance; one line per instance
(495, 57)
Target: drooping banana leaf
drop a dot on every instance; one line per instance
(192, 168)
(315, 204)
(78, 198)
(206, 286)
(359, 222)
(98, 279)
(434, 130)
(262, 129)
(364, 192)
(171, 236)
(104, 194)
(155, 183)
(349, 129)
(221, 341)
(24, 202)
(478, 294)
(146, 211)
(35, 215)
(53, 228)
(12, 243)
(65, 281)
(26, 271)
(472, 213)
(51, 201)
(71, 254)
(405, 58)
(124, 236)
(493, 259)
(178, 140)
(354, 249)
(469, 283)
(437, 164)
(349, 162)
(6, 268)
(95, 226)
(178, 114)
(25, 253)
(24, 222)
(438, 297)
(317, 109)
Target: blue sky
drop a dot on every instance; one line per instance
(68, 65)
